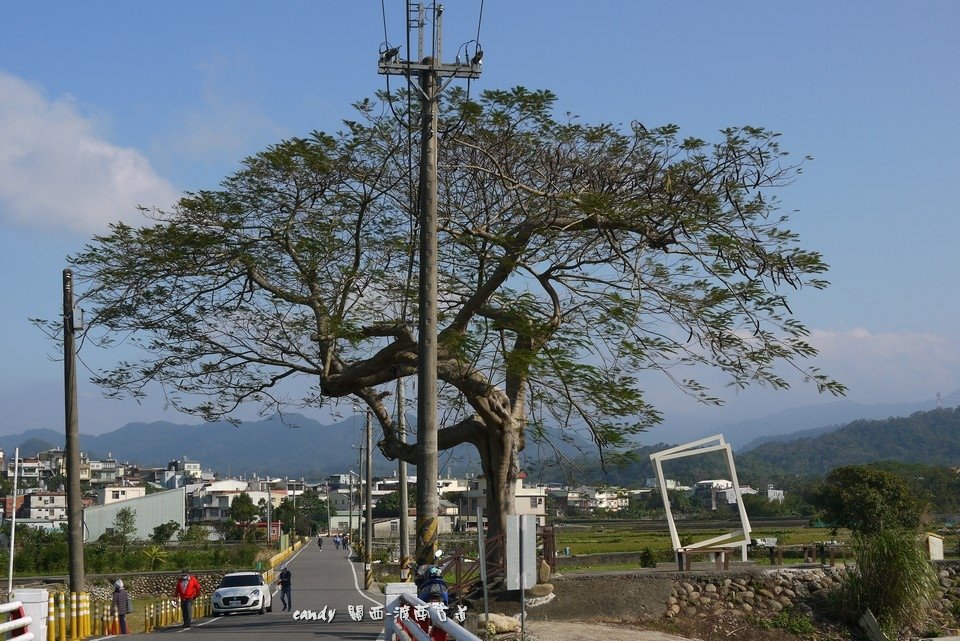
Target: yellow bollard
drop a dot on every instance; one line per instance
(62, 617)
(105, 619)
(73, 617)
(51, 619)
(84, 615)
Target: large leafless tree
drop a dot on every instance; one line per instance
(574, 260)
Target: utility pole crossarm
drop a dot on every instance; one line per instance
(401, 68)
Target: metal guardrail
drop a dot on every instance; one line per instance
(19, 623)
(397, 628)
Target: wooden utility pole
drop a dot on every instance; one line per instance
(74, 497)
(430, 70)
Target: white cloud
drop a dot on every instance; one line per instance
(58, 171)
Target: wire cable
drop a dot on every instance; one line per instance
(479, 21)
(383, 12)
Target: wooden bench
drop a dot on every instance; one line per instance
(721, 556)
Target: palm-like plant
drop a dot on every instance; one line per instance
(156, 557)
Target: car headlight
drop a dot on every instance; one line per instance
(216, 595)
(255, 592)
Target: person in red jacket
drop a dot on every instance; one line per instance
(188, 589)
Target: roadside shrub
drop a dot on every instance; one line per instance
(790, 620)
(955, 610)
(647, 558)
(244, 555)
(891, 576)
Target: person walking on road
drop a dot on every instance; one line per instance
(286, 597)
(320, 541)
(336, 541)
(188, 589)
(121, 604)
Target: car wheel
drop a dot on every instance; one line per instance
(270, 608)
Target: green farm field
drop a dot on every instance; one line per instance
(614, 537)
(617, 538)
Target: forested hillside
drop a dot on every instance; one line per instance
(929, 438)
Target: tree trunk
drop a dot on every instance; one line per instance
(498, 458)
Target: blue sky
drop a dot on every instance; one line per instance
(104, 106)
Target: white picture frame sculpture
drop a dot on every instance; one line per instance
(715, 443)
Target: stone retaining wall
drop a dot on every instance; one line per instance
(151, 584)
(139, 585)
(758, 590)
(770, 591)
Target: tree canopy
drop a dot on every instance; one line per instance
(867, 500)
(575, 261)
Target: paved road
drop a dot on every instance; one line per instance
(321, 578)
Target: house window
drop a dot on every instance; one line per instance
(534, 501)
(116, 494)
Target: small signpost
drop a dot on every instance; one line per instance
(521, 567)
(869, 624)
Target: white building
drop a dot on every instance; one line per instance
(113, 493)
(149, 512)
(212, 502)
(712, 492)
(528, 500)
(774, 494)
(44, 506)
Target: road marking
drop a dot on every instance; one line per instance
(356, 583)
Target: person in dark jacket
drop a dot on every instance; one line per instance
(121, 601)
(284, 579)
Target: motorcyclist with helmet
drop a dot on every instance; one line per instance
(432, 589)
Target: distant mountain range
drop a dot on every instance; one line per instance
(291, 445)
(806, 440)
(810, 420)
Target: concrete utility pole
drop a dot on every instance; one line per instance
(404, 499)
(350, 508)
(328, 507)
(269, 506)
(74, 497)
(368, 512)
(430, 71)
